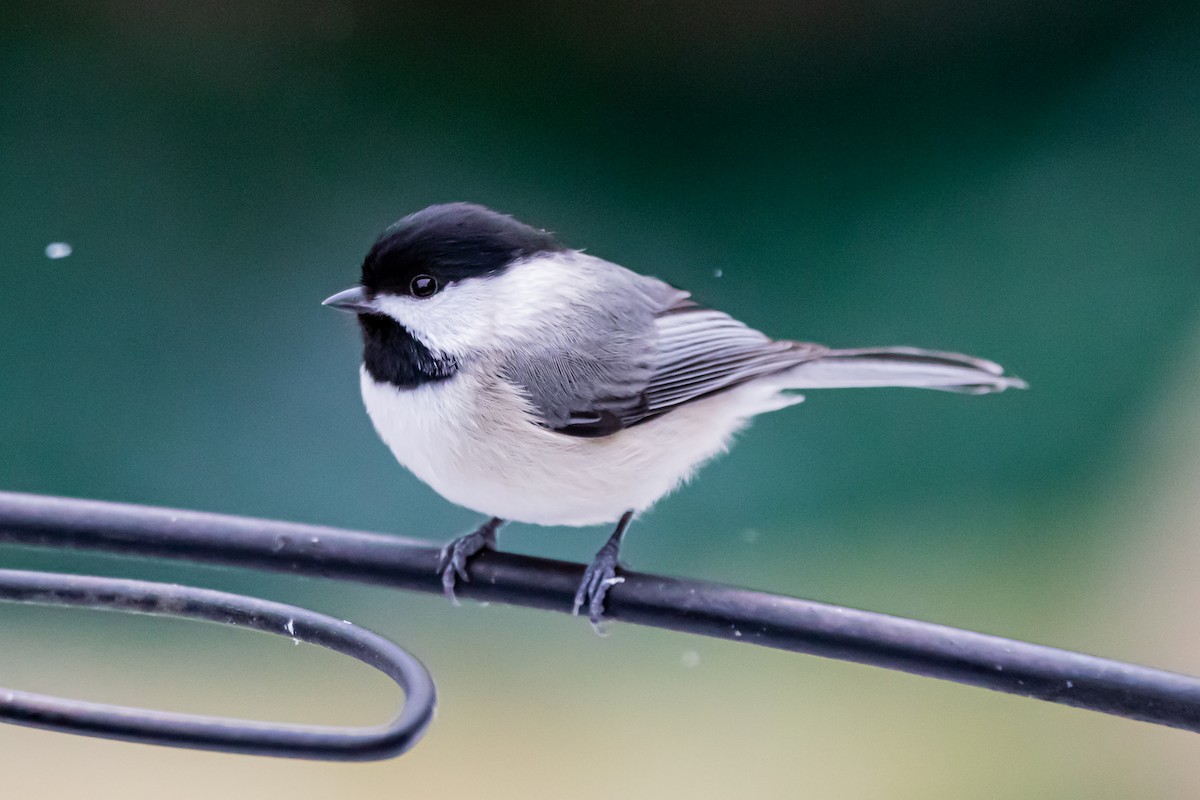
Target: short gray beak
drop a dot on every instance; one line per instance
(352, 301)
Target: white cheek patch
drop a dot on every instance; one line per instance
(477, 313)
(537, 294)
(454, 321)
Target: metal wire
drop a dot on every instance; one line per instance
(215, 733)
(724, 612)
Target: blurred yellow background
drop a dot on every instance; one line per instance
(1019, 180)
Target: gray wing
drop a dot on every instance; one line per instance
(637, 350)
(587, 375)
(701, 352)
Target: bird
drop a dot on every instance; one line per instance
(532, 382)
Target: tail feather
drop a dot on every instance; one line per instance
(900, 366)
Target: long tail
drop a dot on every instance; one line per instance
(900, 366)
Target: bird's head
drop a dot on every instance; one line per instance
(435, 283)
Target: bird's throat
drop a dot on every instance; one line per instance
(393, 355)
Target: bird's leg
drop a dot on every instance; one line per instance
(452, 563)
(601, 574)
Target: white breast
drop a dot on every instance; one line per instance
(473, 440)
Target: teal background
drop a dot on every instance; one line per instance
(1015, 180)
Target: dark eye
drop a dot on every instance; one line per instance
(423, 286)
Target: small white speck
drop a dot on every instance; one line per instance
(999, 668)
(57, 250)
(1070, 684)
(484, 604)
(290, 627)
(690, 658)
(750, 535)
(315, 539)
(718, 273)
(737, 634)
(614, 581)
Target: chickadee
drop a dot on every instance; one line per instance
(532, 382)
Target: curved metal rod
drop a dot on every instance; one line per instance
(216, 733)
(786, 623)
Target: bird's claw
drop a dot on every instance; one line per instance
(452, 561)
(598, 578)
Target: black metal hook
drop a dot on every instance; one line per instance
(215, 733)
(726, 612)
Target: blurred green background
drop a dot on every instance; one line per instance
(1019, 180)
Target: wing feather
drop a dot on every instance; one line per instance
(605, 371)
(701, 352)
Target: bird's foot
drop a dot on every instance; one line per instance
(598, 578)
(452, 562)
